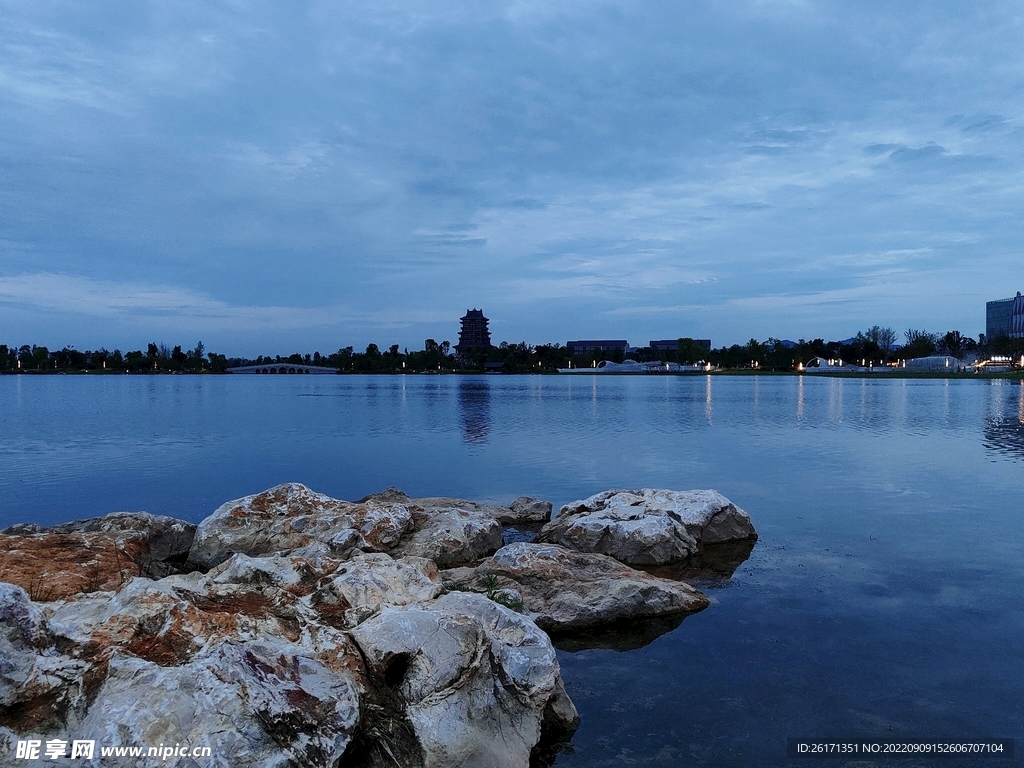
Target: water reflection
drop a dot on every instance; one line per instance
(711, 568)
(1005, 436)
(622, 636)
(712, 564)
(475, 410)
(1004, 433)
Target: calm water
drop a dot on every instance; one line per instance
(883, 599)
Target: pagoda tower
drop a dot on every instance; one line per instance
(474, 333)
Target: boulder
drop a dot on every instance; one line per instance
(360, 586)
(648, 527)
(39, 687)
(264, 703)
(256, 659)
(52, 563)
(526, 511)
(448, 531)
(451, 535)
(291, 519)
(479, 681)
(564, 590)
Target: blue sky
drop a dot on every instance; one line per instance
(271, 177)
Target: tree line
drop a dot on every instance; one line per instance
(158, 358)
(875, 345)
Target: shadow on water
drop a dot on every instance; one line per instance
(711, 563)
(475, 410)
(621, 636)
(712, 567)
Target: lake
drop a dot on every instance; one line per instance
(882, 600)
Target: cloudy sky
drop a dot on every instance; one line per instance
(272, 177)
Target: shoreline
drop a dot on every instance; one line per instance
(881, 374)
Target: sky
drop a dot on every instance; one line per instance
(279, 177)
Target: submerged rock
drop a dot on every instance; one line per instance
(563, 590)
(648, 527)
(101, 553)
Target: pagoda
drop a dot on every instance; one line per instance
(473, 333)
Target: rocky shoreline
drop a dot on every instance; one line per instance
(292, 629)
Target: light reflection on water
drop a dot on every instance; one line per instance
(883, 597)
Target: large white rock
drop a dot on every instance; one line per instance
(39, 687)
(565, 590)
(648, 527)
(291, 519)
(478, 680)
(264, 703)
(253, 659)
(362, 585)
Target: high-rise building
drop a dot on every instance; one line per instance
(474, 332)
(671, 345)
(586, 346)
(1005, 317)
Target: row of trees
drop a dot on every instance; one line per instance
(157, 357)
(435, 356)
(876, 345)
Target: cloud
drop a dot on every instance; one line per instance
(174, 306)
(368, 166)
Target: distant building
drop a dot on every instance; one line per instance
(1005, 317)
(671, 345)
(585, 346)
(474, 333)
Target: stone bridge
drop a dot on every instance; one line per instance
(282, 368)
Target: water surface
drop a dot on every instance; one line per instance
(883, 598)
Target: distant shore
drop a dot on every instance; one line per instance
(900, 373)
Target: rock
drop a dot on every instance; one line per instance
(292, 519)
(648, 527)
(38, 686)
(90, 555)
(526, 511)
(452, 534)
(564, 590)
(244, 668)
(478, 679)
(359, 587)
(264, 702)
(254, 660)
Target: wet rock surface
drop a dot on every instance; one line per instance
(290, 628)
(648, 527)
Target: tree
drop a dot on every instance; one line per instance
(919, 343)
(881, 337)
(953, 342)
